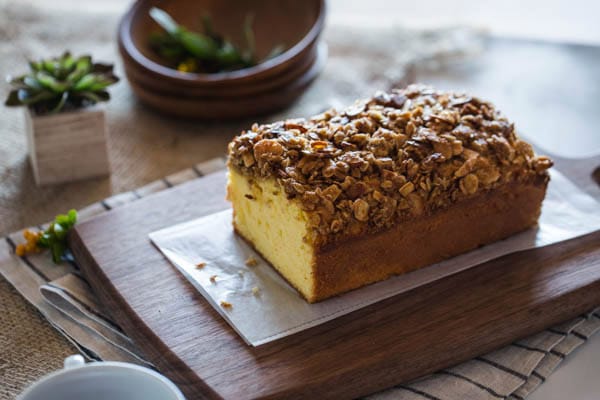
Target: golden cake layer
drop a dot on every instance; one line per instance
(388, 185)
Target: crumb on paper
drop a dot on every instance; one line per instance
(213, 278)
(201, 265)
(255, 290)
(251, 262)
(226, 304)
(241, 272)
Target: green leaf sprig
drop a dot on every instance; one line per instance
(207, 52)
(62, 82)
(55, 237)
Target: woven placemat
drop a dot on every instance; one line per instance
(29, 346)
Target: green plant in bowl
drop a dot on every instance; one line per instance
(207, 52)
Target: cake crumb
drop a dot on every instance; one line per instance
(201, 265)
(226, 304)
(213, 278)
(251, 262)
(255, 290)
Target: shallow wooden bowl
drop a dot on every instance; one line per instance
(254, 87)
(216, 108)
(295, 24)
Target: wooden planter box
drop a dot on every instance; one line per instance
(67, 146)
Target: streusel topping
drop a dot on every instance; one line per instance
(388, 158)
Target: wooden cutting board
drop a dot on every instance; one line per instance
(390, 342)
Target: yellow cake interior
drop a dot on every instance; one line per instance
(276, 227)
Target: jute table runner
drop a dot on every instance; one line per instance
(144, 147)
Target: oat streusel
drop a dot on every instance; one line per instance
(387, 159)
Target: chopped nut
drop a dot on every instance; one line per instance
(387, 185)
(201, 265)
(248, 160)
(469, 184)
(502, 147)
(411, 129)
(294, 125)
(416, 203)
(487, 176)
(336, 225)
(361, 210)
(356, 109)
(466, 168)
(213, 278)
(318, 145)
(332, 192)
(444, 148)
(407, 189)
(251, 262)
(524, 148)
(268, 148)
(356, 190)
(226, 304)
(542, 163)
(457, 147)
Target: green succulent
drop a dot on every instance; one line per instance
(63, 82)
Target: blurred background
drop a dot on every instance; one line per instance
(557, 20)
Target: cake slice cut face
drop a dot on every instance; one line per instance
(275, 226)
(390, 184)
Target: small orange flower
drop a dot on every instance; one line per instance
(31, 244)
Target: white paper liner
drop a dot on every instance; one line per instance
(264, 307)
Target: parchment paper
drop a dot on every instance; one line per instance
(265, 308)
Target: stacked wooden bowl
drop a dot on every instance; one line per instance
(266, 87)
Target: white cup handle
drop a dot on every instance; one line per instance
(74, 361)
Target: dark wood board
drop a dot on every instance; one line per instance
(393, 341)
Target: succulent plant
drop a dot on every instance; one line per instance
(61, 83)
